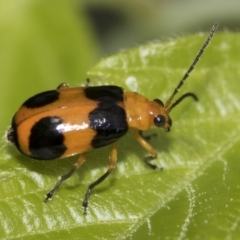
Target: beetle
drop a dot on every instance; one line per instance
(68, 121)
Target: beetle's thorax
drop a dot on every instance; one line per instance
(141, 112)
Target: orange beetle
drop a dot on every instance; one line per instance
(69, 121)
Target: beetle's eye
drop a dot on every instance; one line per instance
(159, 102)
(159, 120)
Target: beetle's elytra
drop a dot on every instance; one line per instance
(69, 121)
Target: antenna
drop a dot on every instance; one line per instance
(214, 27)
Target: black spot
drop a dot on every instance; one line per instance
(42, 99)
(109, 121)
(105, 93)
(46, 141)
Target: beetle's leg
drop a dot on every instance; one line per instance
(63, 85)
(112, 163)
(87, 82)
(75, 166)
(148, 148)
(147, 137)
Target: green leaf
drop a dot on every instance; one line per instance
(195, 197)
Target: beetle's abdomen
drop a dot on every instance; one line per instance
(65, 122)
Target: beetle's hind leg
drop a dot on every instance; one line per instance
(148, 148)
(76, 165)
(65, 85)
(112, 163)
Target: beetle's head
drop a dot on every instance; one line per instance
(162, 118)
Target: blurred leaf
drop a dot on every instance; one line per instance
(197, 194)
(42, 44)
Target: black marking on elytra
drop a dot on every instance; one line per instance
(105, 93)
(46, 141)
(42, 99)
(109, 121)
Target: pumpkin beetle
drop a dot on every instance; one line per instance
(68, 121)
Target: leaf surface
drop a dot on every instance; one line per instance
(197, 194)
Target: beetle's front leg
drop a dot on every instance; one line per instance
(147, 137)
(148, 148)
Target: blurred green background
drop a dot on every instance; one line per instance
(44, 43)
